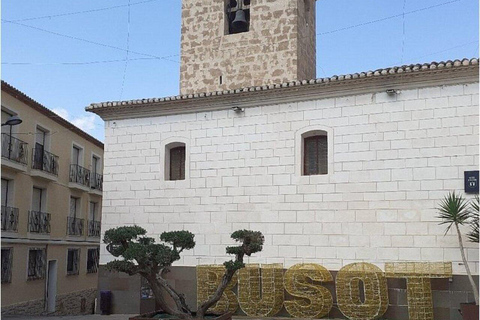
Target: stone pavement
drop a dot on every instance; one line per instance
(85, 317)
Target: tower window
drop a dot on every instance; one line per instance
(315, 155)
(237, 16)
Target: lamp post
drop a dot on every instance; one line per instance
(12, 121)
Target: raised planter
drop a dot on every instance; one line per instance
(469, 311)
(163, 315)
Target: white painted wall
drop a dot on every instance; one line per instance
(393, 159)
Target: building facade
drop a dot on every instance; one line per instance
(333, 171)
(51, 210)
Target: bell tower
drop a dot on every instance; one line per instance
(231, 44)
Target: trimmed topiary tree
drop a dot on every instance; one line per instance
(141, 255)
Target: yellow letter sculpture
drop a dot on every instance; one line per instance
(419, 289)
(374, 287)
(315, 301)
(270, 301)
(208, 279)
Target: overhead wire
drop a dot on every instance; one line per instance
(386, 18)
(81, 12)
(87, 41)
(403, 29)
(85, 62)
(128, 48)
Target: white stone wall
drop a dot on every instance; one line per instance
(392, 161)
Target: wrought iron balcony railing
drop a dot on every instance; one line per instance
(94, 228)
(97, 182)
(74, 226)
(14, 149)
(79, 175)
(9, 219)
(38, 222)
(45, 161)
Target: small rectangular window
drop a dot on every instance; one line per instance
(36, 264)
(315, 155)
(73, 259)
(177, 163)
(92, 260)
(7, 258)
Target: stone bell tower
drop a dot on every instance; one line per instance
(231, 44)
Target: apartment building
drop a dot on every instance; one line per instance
(51, 210)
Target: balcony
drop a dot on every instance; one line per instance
(44, 164)
(9, 219)
(15, 151)
(79, 177)
(97, 182)
(39, 222)
(74, 226)
(94, 229)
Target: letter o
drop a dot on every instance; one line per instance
(375, 291)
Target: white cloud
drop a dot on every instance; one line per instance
(86, 123)
(61, 112)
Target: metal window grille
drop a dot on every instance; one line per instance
(9, 219)
(7, 257)
(92, 260)
(14, 149)
(73, 259)
(75, 226)
(36, 264)
(315, 155)
(38, 222)
(80, 175)
(177, 163)
(94, 228)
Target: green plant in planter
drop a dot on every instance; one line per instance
(454, 212)
(141, 255)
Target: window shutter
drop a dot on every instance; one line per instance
(177, 163)
(315, 155)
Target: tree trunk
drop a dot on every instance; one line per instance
(177, 298)
(470, 278)
(227, 277)
(159, 300)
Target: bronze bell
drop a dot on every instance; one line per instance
(240, 23)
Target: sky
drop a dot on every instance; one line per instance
(68, 54)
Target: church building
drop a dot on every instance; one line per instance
(333, 171)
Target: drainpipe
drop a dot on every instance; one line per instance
(45, 305)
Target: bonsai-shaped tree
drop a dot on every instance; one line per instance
(141, 255)
(454, 212)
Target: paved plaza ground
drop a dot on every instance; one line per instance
(85, 317)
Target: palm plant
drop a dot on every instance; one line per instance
(474, 213)
(454, 212)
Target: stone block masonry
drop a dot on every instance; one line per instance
(279, 47)
(391, 161)
(73, 303)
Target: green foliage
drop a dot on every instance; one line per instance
(122, 266)
(474, 216)
(233, 265)
(140, 253)
(453, 210)
(252, 241)
(179, 239)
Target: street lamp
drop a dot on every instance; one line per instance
(12, 121)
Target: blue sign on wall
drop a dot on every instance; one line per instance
(471, 181)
